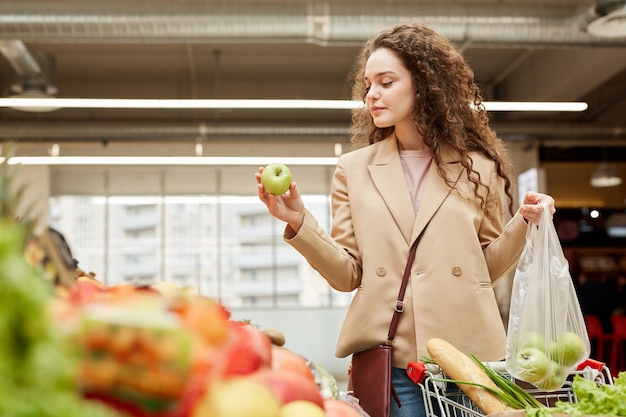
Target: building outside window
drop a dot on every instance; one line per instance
(225, 247)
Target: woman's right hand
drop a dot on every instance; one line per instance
(287, 207)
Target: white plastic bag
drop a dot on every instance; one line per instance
(546, 335)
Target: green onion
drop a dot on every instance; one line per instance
(510, 387)
(427, 360)
(508, 391)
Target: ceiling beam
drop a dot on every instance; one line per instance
(325, 23)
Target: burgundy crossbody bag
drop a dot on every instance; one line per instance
(370, 373)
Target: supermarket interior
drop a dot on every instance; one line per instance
(131, 132)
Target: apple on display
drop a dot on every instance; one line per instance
(224, 399)
(276, 178)
(286, 359)
(288, 385)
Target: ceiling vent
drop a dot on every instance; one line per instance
(33, 72)
(608, 19)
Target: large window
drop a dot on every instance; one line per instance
(227, 247)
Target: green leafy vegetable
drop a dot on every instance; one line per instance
(36, 371)
(595, 399)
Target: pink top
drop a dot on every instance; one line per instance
(415, 165)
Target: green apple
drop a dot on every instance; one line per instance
(555, 378)
(568, 350)
(532, 365)
(276, 178)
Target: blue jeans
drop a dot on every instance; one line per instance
(409, 393)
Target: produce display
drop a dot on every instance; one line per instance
(144, 352)
(151, 355)
(36, 365)
(74, 347)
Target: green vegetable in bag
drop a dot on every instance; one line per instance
(546, 335)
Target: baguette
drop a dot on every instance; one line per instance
(459, 366)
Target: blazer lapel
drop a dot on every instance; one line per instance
(435, 192)
(388, 177)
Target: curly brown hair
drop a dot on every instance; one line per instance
(444, 88)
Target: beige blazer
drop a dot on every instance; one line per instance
(460, 255)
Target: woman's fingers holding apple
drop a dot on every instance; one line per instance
(294, 194)
(285, 205)
(258, 174)
(263, 195)
(294, 207)
(295, 200)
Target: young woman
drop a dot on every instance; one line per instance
(427, 165)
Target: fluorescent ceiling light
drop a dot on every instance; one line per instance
(575, 106)
(168, 160)
(85, 103)
(98, 103)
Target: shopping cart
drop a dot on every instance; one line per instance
(447, 400)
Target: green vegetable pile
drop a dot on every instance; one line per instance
(592, 399)
(36, 367)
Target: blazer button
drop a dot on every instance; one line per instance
(381, 271)
(456, 270)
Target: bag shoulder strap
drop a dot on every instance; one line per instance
(400, 301)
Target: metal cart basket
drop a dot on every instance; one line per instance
(446, 400)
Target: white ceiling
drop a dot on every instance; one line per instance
(520, 50)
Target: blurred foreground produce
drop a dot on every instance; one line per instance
(70, 346)
(326, 381)
(182, 355)
(97, 351)
(36, 368)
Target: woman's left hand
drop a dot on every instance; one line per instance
(532, 208)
